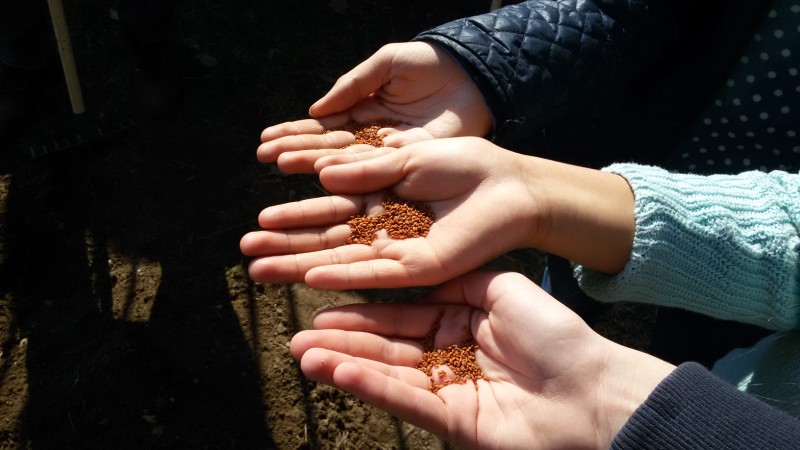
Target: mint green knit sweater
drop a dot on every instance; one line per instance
(727, 246)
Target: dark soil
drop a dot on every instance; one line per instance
(127, 320)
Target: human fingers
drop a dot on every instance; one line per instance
(367, 172)
(357, 84)
(413, 404)
(271, 151)
(293, 268)
(358, 343)
(365, 274)
(319, 365)
(304, 126)
(478, 288)
(447, 251)
(292, 128)
(320, 211)
(400, 138)
(430, 170)
(509, 303)
(359, 153)
(444, 324)
(266, 243)
(308, 134)
(304, 161)
(389, 319)
(522, 326)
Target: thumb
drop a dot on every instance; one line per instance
(357, 84)
(366, 176)
(483, 289)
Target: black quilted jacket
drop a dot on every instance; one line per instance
(568, 74)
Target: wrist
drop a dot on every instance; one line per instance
(531, 200)
(630, 376)
(584, 215)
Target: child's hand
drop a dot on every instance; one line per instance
(415, 84)
(477, 192)
(552, 381)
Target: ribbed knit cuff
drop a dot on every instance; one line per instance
(692, 408)
(723, 246)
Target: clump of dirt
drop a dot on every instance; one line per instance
(367, 132)
(459, 358)
(402, 219)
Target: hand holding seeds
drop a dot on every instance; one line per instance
(485, 201)
(309, 140)
(415, 84)
(475, 195)
(537, 365)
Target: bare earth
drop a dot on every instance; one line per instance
(127, 320)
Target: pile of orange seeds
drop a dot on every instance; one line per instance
(459, 358)
(402, 219)
(366, 133)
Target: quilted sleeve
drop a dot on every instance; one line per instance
(538, 61)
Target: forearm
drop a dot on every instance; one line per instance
(692, 408)
(584, 215)
(723, 246)
(533, 72)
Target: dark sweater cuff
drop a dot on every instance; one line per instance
(692, 408)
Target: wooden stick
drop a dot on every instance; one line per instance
(495, 4)
(67, 58)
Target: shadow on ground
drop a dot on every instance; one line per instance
(126, 317)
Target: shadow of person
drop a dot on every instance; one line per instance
(174, 370)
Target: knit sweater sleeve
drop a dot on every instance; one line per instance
(692, 408)
(722, 245)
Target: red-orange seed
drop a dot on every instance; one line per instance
(459, 358)
(366, 133)
(402, 219)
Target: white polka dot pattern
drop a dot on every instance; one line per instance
(754, 119)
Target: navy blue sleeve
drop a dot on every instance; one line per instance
(692, 408)
(568, 74)
(538, 60)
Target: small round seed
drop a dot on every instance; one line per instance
(460, 358)
(402, 219)
(366, 133)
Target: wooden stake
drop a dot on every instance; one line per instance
(67, 58)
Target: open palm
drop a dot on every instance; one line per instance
(415, 84)
(476, 192)
(544, 366)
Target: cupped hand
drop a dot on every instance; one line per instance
(479, 195)
(415, 84)
(551, 382)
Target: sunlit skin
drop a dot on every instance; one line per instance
(552, 381)
(415, 83)
(486, 201)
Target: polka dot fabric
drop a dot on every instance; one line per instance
(754, 121)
